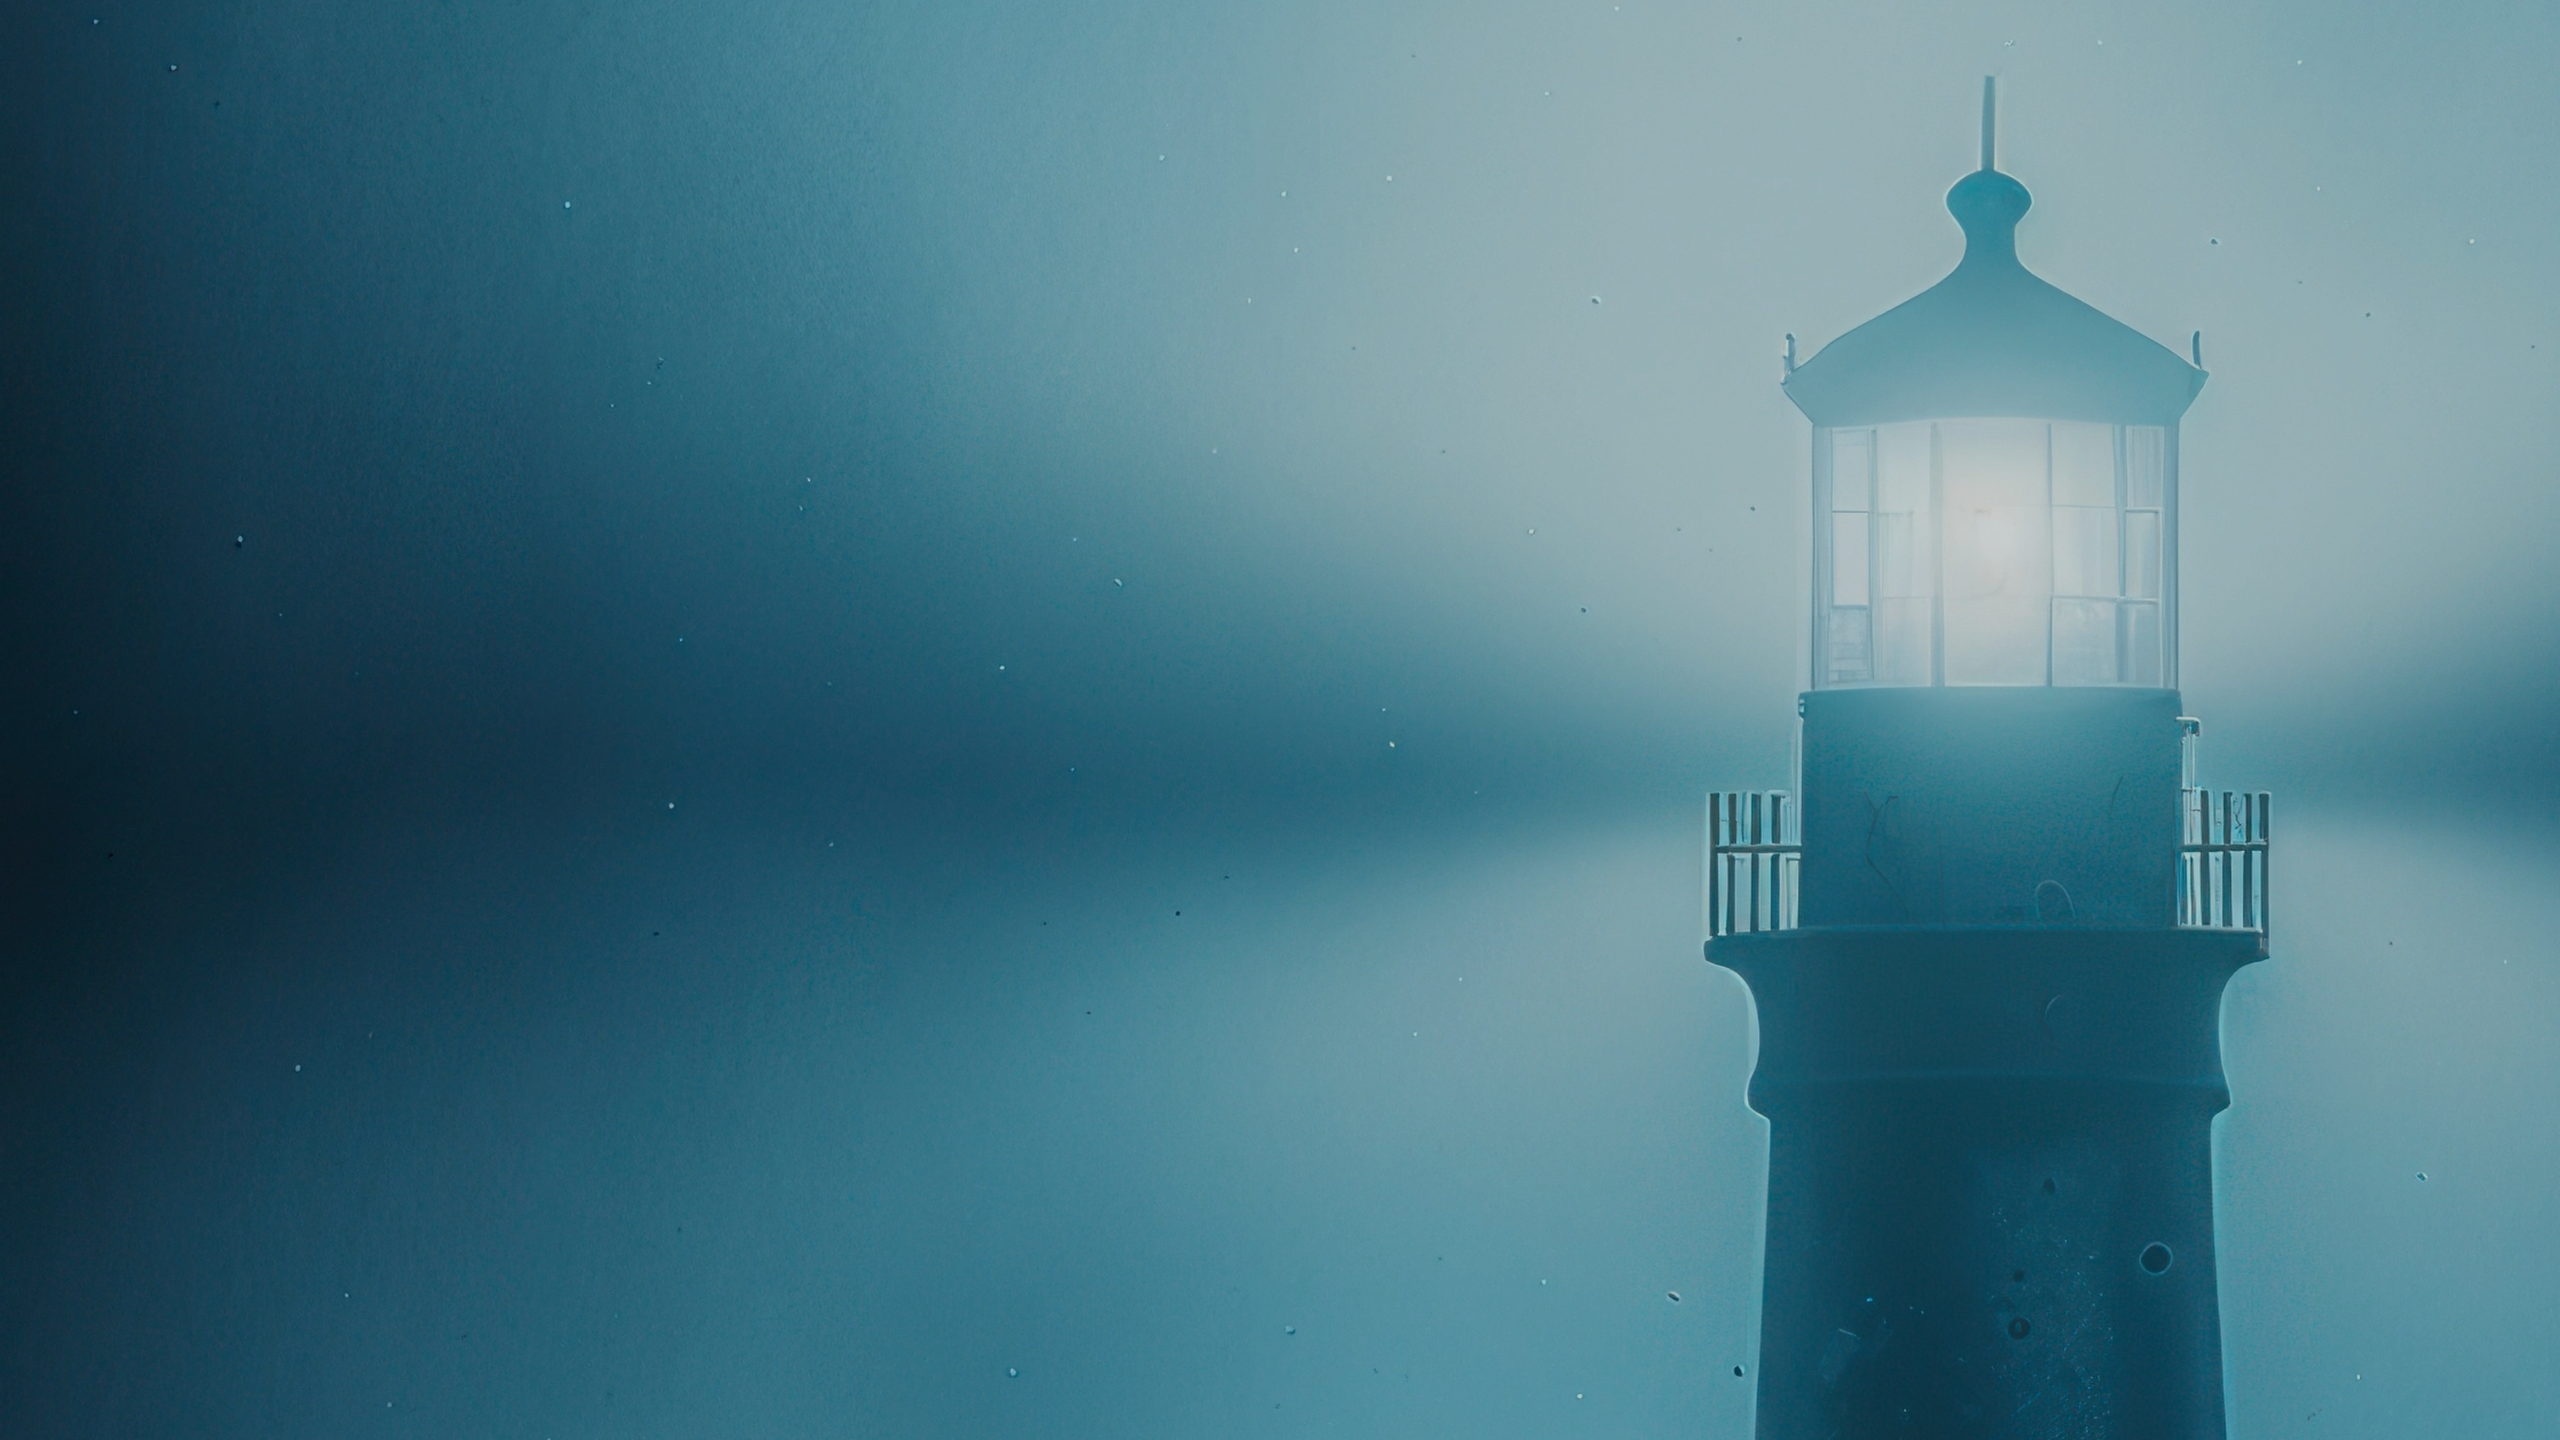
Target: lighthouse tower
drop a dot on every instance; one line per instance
(1988, 931)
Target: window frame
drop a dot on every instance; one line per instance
(2127, 446)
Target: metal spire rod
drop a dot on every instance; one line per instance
(1990, 110)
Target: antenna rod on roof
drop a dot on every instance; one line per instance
(1990, 109)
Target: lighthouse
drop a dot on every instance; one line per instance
(1987, 928)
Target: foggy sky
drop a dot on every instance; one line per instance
(477, 476)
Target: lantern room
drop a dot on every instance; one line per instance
(1995, 479)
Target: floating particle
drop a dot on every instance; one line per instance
(1012, 1374)
(1737, 1372)
(239, 540)
(1674, 1294)
(1288, 1329)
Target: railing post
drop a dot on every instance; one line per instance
(2266, 862)
(1715, 854)
(1755, 862)
(2249, 861)
(2225, 852)
(1780, 872)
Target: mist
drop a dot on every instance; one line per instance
(758, 722)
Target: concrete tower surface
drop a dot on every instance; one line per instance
(1987, 935)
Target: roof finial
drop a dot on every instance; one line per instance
(1990, 111)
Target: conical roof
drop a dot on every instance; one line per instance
(1992, 339)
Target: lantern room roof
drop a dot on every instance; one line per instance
(1992, 339)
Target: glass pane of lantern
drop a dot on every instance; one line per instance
(2142, 554)
(1852, 459)
(1902, 642)
(2084, 550)
(1999, 550)
(2084, 642)
(1905, 563)
(2144, 449)
(1848, 646)
(2084, 464)
(1998, 534)
(1996, 640)
(2141, 644)
(1902, 554)
(1993, 462)
(1849, 557)
(1902, 468)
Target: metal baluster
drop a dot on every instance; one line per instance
(1777, 860)
(2217, 861)
(1732, 836)
(2249, 863)
(1751, 858)
(2266, 860)
(2228, 831)
(2207, 856)
(1783, 882)
(1747, 887)
(1715, 857)
(2190, 831)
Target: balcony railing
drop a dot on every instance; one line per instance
(1755, 849)
(1752, 852)
(2222, 859)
